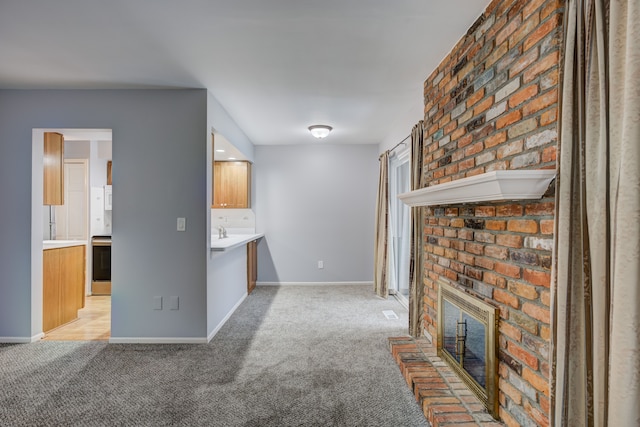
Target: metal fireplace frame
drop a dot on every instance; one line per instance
(488, 316)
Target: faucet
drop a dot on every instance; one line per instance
(222, 232)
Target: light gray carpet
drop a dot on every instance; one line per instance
(289, 356)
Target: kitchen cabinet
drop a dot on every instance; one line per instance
(231, 184)
(252, 265)
(53, 169)
(63, 285)
(109, 177)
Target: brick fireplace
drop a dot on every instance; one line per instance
(492, 105)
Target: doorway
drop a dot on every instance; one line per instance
(399, 225)
(85, 156)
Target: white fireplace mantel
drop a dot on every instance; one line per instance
(490, 186)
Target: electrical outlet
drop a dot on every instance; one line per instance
(182, 224)
(321, 264)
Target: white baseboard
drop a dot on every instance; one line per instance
(37, 337)
(21, 340)
(223, 321)
(313, 283)
(158, 340)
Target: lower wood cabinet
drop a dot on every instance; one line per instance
(63, 285)
(252, 265)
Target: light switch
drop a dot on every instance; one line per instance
(157, 303)
(182, 224)
(174, 303)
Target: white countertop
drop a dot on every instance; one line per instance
(232, 241)
(56, 244)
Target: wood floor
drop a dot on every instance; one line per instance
(93, 322)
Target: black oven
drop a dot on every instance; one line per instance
(101, 265)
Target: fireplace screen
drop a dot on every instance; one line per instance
(466, 341)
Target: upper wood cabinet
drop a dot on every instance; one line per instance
(231, 184)
(109, 179)
(53, 169)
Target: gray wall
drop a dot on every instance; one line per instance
(316, 202)
(401, 128)
(226, 286)
(77, 149)
(160, 140)
(226, 272)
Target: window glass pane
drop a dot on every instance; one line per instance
(451, 318)
(464, 339)
(474, 358)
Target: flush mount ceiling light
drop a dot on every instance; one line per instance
(320, 131)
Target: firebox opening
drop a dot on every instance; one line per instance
(467, 341)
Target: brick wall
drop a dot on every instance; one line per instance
(492, 104)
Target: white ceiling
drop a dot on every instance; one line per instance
(277, 66)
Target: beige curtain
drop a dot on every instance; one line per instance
(596, 297)
(416, 287)
(380, 277)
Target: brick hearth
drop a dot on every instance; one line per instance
(444, 398)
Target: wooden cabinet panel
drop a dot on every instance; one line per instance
(231, 184)
(218, 186)
(72, 282)
(109, 177)
(51, 317)
(53, 169)
(63, 285)
(252, 265)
